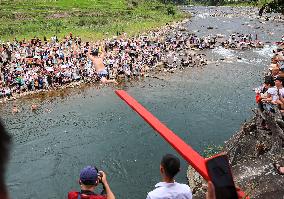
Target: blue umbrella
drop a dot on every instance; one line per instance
(19, 69)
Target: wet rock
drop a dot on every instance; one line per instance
(196, 183)
(251, 152)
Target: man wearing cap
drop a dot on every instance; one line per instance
(169, 188)
(89, 180)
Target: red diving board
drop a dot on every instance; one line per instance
(189, 154)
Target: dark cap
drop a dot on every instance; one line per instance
(89, 175)
(279, 79)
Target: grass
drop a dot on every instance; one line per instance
(90, 19)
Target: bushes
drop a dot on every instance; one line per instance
(131, 4)
(171, 10)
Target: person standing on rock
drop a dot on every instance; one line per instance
(169, 188)
(99, 65)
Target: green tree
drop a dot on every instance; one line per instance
(273, 6)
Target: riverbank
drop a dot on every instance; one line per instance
(257, 4)
(92, 20)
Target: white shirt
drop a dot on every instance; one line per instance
(273, 92)
(170, 191)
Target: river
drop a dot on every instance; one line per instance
(91, 125)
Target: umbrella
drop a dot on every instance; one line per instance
(19, 69)
(50, 69)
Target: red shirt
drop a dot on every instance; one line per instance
(90, 195)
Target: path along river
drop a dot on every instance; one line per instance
(93, 126)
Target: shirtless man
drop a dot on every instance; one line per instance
(15, 109)
(99, 65)
(34, 107)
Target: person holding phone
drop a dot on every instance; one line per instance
(90, 178)
(210, 191)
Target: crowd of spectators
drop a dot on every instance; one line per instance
(270, 96)
(39, 65)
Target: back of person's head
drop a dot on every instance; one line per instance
(269, 80)
(171, 165)
(89, 176)
(95, 53)
(5, 141)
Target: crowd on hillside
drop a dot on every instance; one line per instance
(270, 96)
(35, 65)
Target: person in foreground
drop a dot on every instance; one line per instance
(169, 188)
(90, 178)
(210, 191)
(5, 141)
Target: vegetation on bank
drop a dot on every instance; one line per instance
(91, 19)
(264, 5)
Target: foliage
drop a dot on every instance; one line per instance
(265, 5)
(273, 6)
(171, 10)
(181, 2)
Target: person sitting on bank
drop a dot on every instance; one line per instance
(275, 94)
(169, 188)
(90, 178)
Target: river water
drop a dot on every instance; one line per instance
(91, 125)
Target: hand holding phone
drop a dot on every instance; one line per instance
(219, 171)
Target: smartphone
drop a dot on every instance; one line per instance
(219, 171)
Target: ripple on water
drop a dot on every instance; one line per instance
(228, 53)
(203, 15)
(266, 50)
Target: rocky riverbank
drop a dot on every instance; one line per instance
(252, 151)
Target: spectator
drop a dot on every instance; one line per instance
(210, 191)
(275, 94)
(275, 72)
(168, 188)
(5, 141)
(90, 177)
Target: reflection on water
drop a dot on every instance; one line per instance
(90, 125)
